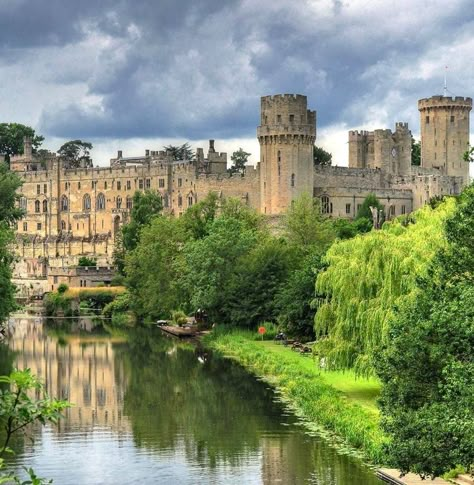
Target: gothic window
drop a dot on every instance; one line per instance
(161, 183)
(119, 185)
(140, 184)
(45, 205)
(63, 225)
(148, 183)
(23, 204)
(292, 179)
(403, 209)
(180, 200)
(100, 202)
(45, 188)
(129, 202)
(190, 200)
(38, 189)
(129, 186)
(326, 206)
(86, 202)
(119, 202)
(348, 208)
(37, 206)
(64, 206)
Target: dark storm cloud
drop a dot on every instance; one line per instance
(197, 69)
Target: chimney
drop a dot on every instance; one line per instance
(211, 146)
(27, 147)
(147, 153)
(119, 154)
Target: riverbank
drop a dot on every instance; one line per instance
(335, 404)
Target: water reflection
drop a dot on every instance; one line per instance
(148, 410)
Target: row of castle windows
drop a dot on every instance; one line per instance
(327, 208)
(291, 119)
(427, 120)
(142, 184)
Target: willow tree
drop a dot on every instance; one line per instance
(366, 278)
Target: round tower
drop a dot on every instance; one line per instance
(286, 135)
(444, 125)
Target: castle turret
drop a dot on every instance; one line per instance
(444, 123)
(286, 135)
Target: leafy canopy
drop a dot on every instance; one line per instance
(11, 139)
(76, 153)
(181, 152)
(239, 160)
(367, 277)
(321, 156)
(427, 364)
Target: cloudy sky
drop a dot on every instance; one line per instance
(136, 74)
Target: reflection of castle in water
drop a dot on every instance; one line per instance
(81, 370)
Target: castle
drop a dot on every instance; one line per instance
(71, 212)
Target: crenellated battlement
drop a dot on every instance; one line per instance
(459, 102)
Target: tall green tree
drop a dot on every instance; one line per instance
(415, 152)
(76, 153)
(239, 160)
(427, 364)
(11, 139)
(146, 206)
(321, 156)
(199, 216)
(366, 278)
(305, 226)
(153, 269)
(181, 152)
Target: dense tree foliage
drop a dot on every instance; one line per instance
(181, 152)
(239, 159)
(428, 408)
(76, 153)
(366, 277)
(11, 139)
(415, 152)
(9, 214)
(321, 156)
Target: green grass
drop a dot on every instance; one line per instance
(333, 403)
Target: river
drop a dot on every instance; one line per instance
(148, 409)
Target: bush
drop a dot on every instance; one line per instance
(118, 280)
(121, 304)
(62, 288)
(85, 261)
(179, 317)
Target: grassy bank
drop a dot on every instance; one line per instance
(334, 403)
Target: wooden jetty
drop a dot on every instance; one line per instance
(180, 332)
(392, 476)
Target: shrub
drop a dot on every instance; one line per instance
(179, 317)
(85, 261)
(62, 288)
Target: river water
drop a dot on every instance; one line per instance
(148, 410)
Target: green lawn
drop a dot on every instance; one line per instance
(363, 391)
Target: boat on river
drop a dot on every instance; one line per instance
(180, 332)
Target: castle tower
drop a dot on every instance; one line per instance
(286, 135)
(444, 123)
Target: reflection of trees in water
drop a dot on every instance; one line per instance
(214, 409)
(219, 415)
(6, 360)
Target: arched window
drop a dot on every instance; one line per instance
(64, 204)
(190, 199)
(37, 206)
(86, 202)
(100, 203)
(292, 179)
(45, 205)
(23, 204)
(119, 202)
(326, 206)
(180, 200)
(63, 225)
(129, 202)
